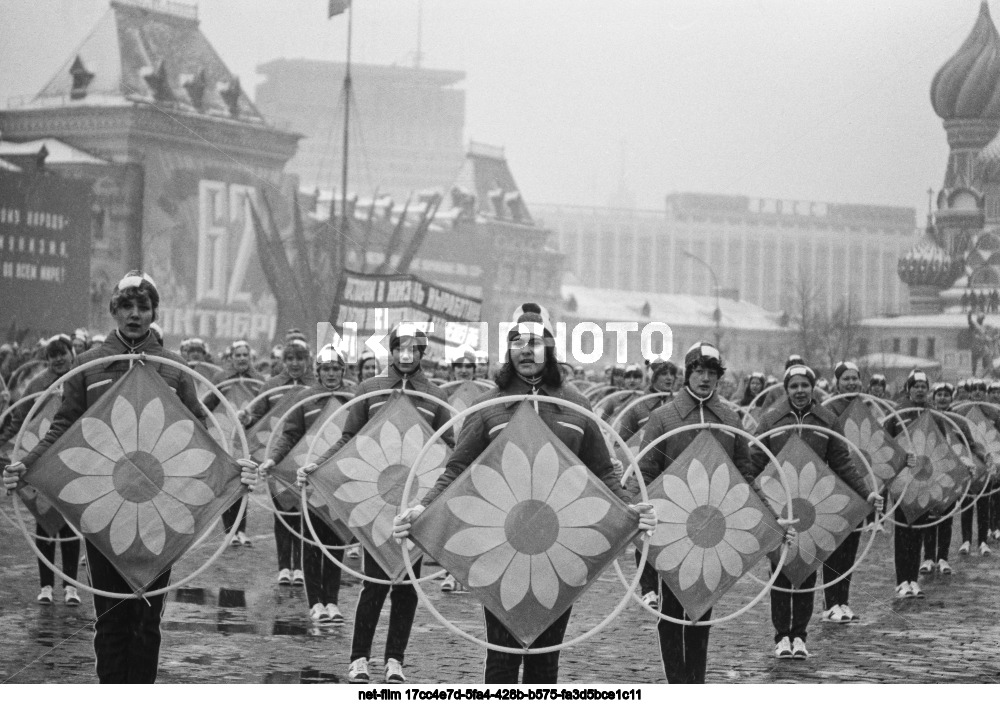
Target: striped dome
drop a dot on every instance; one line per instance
(968, 85)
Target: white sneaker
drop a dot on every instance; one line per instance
(966, 547)
(916, 591)
(285, 576)
(45, 596)
(319, 614)
(298, 577)
(651, 599)
(848, 613)
(358, 672)
(333, 611)
(448, 585)
(903, 591)
(984, 550)
(944, 567)
(835, 614)
(783, 649)
(394, 671)
(243, 539)
(927, 566)
(234, 541)
(799, 651)
(70, 596)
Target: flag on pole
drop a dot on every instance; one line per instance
(363, 483)
(858, 425)
(711, 528)
(138, 475)
(827, 509)
(338, 7)
(527, 527)
(938, 477)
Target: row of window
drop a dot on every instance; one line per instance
(912, 347)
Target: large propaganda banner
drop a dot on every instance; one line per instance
(44, 252)
(377, 302)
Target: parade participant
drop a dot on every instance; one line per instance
(60, 355)
(684, 649)
(877, 386)
(908, 538)
(848, 381)
(277, 361)
(367, 366)
(983, 506)
(322, 576)
(777, 391)
(530, 367)
(993, 392)
(240, 368)
(296, 371)
(482, 364)
(791, 612)
(463, 366)
(127, 639)
(442, 370)
(579, 374)
(407, 345)
(81, 341)
(631, 381)
(937, 538)
(754, 385)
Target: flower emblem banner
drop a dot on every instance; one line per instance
(858, 424)
(827, 509)
(463, 397)
(711, 528)
(239, 394)
(363, 483)
(985, 434)
(527, 527)
(285, 493)
(939, 476)
(138, 475)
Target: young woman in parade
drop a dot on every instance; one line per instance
(937, 538)
(754, 385)
(530, 367)
(127, 638)
(295, 371)
(367, 366)
(791, 612)
(976, 390)
(684, 649)
(59, 355)
(407, 346)
(322, 577)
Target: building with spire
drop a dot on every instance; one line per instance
(180, 153)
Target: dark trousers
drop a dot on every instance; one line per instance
(649, 580)
(501, 668)
(790, 613)
(229, 516)
(839, 561)
(322, 575)
(683, 649)
(906, 546)
(938, 538)
(984, 515)
(994, 508)
(127, 633)
(289, 547)
(70, 550)
(369, 609)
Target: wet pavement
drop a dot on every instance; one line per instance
(235, 624)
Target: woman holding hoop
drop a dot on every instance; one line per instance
(977, 390)
(127, 639)
(60, 355)
(684, 649)
(791, 612)
(530, 368)
(407, 345)
(322, 576)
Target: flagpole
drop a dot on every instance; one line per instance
(342, 245)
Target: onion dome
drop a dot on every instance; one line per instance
(928, 265)
(968, 85)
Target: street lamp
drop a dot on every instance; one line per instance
(717, 315)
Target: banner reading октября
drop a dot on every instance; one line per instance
(44, 253)
(377, 302)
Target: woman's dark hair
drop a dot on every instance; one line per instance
(748, 395)
(551, 374)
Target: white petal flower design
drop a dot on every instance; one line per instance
(987, 436)
(533, 527)
(924, 484)
(377, 477)
(815, 504)
(32, 436)
(705, 526)
(137, 476)
(871, 439)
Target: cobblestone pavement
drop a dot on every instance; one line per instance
(234, 624)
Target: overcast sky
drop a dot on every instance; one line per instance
(823, 101)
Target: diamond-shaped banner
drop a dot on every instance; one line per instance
(288, 498)
(364, 481)
(462, 397)
(711, 527)
(36, 429)
(138, 475)
(260, 432)
(239, 394)
(974, 465)
(858, 425)
(527, 527)
(41, 509)
(827, 509)
(985, 434)
(937, 479)
(286, 494)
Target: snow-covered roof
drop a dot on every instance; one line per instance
(956, 321)
(675, 309)
(57, 152)
(894, 360)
